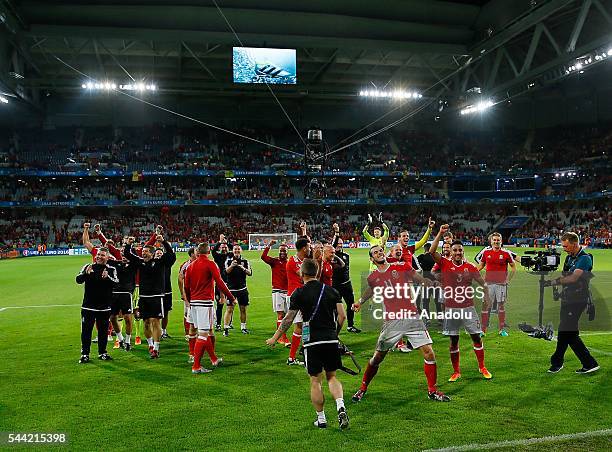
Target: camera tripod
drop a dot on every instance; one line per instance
(540, 331)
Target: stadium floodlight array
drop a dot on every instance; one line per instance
(397, 94)
(108, 86)
(4, 100)
(260, 241)
(480, 106)
(582, 62)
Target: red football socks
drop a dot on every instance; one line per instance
(295, 344)
(192, 342)
(502, 317)
(479, 350)
(368, 375)
(431, 372)
(200, 345)
(454, 354)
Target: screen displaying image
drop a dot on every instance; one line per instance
(260, 65)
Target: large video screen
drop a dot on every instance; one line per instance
(260, 65)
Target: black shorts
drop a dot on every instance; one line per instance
(121, 303)
(151, 307)
(242, 297)
(322, 357)
(167, 302)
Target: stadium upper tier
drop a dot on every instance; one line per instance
(26, 228)
(115, 191)
(166, 147)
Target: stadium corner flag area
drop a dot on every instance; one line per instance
(331, 225)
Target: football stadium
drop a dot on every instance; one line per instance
(331, 225)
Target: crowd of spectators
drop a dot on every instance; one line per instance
(170, 147)
(469, 223)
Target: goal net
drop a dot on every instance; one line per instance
(260, 241)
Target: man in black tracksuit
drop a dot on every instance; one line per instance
(342, 281)
(220, 253)
(152, 269)
(98, 279)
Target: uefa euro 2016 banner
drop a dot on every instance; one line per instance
(267, 172)
(236, 202)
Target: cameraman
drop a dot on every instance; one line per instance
(574, 300)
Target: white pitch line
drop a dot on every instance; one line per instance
(525, 442)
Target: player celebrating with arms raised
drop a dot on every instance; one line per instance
(495, 260)
(395, 326)
(280, 302)
(457, 276)
(380, 238)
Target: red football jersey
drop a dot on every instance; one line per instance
(399, 273)
(200, 279)
(327, 273)
(455, 281)
(407, 252)
(279, 270)
(496, 265)
(294, 279)
(184, 266)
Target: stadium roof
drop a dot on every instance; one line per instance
(342, 45)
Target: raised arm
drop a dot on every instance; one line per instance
(264, 255)
(385, 235)
(86, 240)
(366, 234)
(115, 252)
(425, 237)
(169, 256)
(437, 257)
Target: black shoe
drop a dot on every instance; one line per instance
(588, 370)
(166, 336)
(352, 329)
(128, 347)
(438, 396)
(84, 359)
(555, 369)
(245, 331)
(320, 424)
(226, 332)
(343, 419)
(122, 345)
(218, 327)
(105, 357)
(231, 327)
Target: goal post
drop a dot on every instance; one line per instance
(260, 241)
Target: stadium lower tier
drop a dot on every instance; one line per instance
(523, 223)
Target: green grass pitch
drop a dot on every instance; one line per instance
(256, 402)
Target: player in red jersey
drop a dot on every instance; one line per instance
(495, 260)
(389, 286)
(193, 255)
(294, 280)
(457, 276)
(201, 277)
(404, 239)
(328, 260)
(280, 301)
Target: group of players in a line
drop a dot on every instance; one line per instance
(203, 282)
